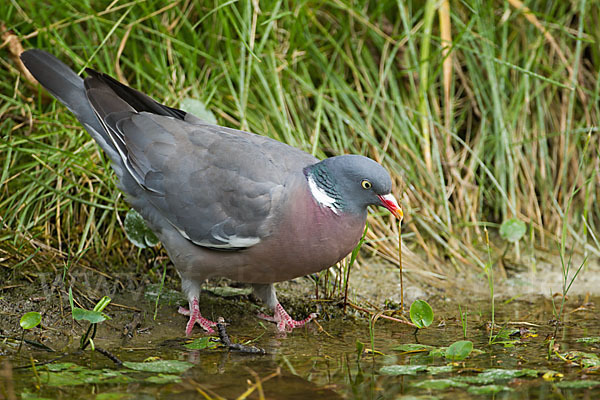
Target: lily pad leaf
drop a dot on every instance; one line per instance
(577, 384)
(30, 320)
(589, 340)
(137, 231)
(460, 350)
(402, 369)
(586, 360)
(421, 313)
(488, 389)
(55, 367)
(162, 379)
(197, 108)
(413, 347)
(434, 370)
(513, 230)
(115, 396)
(93, 317)
(439, 384)
(201, 344)
(161, 366)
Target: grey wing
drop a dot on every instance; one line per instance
(219, 190)
(219, 187)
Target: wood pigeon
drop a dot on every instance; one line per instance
(224, 203)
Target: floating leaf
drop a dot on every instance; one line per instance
(586, 360)
(577, 384)
(55, 367)
(460, 350)
(93, 317)
(589, 340)
(137, 232)
(30, 320)
(488, 389)
(421, 313)
(440, 370)
(201, 344)
(492, 375)
(115, 396)
(438, 352)
(85, 377)
(32, 396)
(402, 369)
(513, 230)
(197, 108)
(498, 373)
(162, 366)
(162, 379)
(413, 347)
(477, 379)
(439, 384)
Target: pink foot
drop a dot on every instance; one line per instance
(284, 322)
(195, 316)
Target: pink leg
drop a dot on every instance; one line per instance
(284, 322)
(195, 316)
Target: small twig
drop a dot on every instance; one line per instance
(381, 315)
(235, 346)
(258, 384)
(30, 342)
(321, 329)
(110, 356)
(48, 361)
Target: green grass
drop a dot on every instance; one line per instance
(330, 78)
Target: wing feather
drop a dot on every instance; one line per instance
(218, 187)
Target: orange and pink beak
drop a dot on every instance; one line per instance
(389, 201)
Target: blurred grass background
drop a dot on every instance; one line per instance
(482, 110)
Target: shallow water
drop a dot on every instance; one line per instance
(315, 364)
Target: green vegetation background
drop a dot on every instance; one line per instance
(482, 110)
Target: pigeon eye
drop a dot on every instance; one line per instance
(366, 184)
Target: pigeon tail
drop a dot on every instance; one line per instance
(68, 87)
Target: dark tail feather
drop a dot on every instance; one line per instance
(64, 84)
(134, 98)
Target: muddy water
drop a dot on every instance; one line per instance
(314, 363)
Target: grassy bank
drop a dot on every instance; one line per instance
(482, 110)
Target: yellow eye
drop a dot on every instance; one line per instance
(366, 184)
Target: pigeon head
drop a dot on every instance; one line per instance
(351, 183)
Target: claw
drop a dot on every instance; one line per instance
(284, 322)
(196, 317)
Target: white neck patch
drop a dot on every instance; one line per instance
(320, 196)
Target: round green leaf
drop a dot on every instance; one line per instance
(460, 350)
(137, 232)
(202, 343)
(161, 366)
(488, 389)
(513, 230)
(30, 320)
(421, 314)
(402, 369)
(93, 317)
(197, 108)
